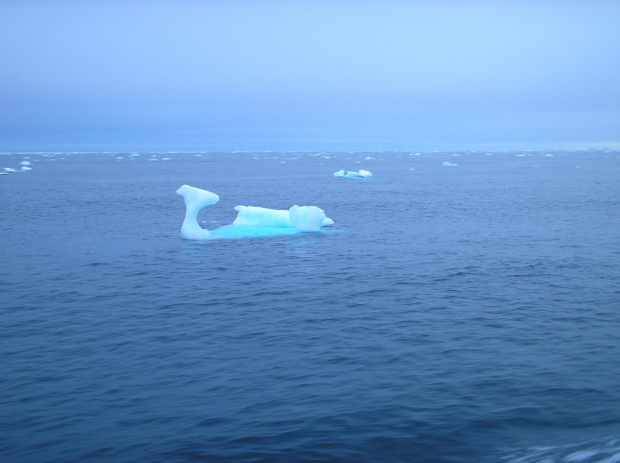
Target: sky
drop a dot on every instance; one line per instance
(259, 75)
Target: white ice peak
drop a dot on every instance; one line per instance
(195, 200)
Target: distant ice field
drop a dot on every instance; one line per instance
(463, 307)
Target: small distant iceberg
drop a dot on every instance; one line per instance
(352, 174)
(251, 221)
(24, 168)
(449, 164)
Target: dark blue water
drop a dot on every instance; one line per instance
(457, 314)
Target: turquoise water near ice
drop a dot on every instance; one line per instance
(452, 314)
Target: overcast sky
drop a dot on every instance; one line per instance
(308, 75)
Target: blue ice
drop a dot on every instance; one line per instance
(351, 174)
(251, 221)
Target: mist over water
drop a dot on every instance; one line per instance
(455, 313)
(309, 75)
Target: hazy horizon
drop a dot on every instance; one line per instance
(341, 75)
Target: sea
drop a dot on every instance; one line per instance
(464, 307)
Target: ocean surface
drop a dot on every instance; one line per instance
(452, 314)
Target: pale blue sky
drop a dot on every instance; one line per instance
(308, 75)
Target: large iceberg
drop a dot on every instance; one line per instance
(251, 221)
(352, 174)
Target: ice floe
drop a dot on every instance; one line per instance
(351, 174)
(251, 221)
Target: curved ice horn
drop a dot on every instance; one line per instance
(195, 200)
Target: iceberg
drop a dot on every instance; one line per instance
(352, 174)
(449, 164)
(251, 221)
